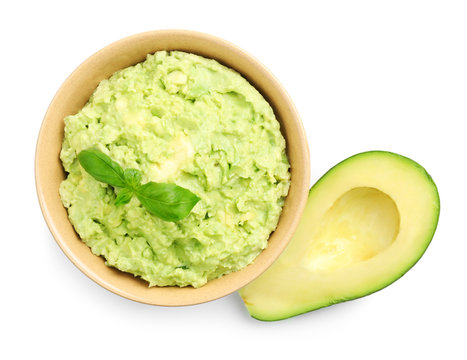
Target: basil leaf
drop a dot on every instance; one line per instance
(101, 167)
(132, 178)
(170, 202)
(124, 196)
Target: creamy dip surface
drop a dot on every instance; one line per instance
(183, 119)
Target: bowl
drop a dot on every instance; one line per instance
(73, 95)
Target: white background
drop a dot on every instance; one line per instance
(364, 75)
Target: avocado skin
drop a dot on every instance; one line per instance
(403, 271)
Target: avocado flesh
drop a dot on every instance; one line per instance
(367, 221)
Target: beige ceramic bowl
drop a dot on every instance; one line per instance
(75, 92)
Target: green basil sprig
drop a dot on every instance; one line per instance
(169, 202)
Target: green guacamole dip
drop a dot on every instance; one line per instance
(184, 119)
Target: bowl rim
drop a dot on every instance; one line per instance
(302, 180)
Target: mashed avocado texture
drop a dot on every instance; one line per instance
(183, 119)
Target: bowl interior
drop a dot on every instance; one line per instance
(73, 95)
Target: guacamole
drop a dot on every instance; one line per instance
(183, 119)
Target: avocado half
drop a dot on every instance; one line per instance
(367, 221)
